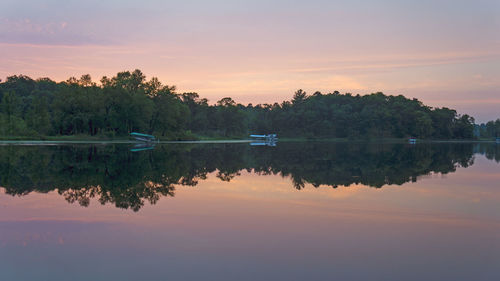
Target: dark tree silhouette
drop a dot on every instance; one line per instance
(113, 174)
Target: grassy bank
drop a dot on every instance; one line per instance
(118, 139)
(64, 138)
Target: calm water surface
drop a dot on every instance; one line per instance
(297, 211)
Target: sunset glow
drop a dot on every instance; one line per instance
(445, 53)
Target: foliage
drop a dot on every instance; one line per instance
(128, 102)
(346, 116)
(491, 129)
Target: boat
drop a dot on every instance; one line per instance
(265, 137)
(143, 137)
(412, 140)
(266, 140)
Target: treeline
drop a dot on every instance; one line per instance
(128, 102)
(114, 174)
(490, 129)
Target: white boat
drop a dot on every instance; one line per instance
(267, 140)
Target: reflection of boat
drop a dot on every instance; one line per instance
(142, 147)
(143, 137)
(262, 143)
(412, 140)
(267, 140)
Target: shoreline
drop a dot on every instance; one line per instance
(215, 141)
(62, 142)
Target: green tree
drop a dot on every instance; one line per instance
(40, 118)
(10, 111)
(230, 119)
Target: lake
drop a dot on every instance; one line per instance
(295, 211)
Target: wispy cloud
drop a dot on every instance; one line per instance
(399, 61)
(45, 33)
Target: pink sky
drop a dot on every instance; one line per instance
(446, 53)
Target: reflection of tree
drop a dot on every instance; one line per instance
(132, 197)
(113, 174)
(491, 152)
(227, 176)
(373, 164)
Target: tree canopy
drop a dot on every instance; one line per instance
(129, 102)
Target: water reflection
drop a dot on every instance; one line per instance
(143, 146)
(128, 178)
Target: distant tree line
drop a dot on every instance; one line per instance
(128, 102)
(490, 129)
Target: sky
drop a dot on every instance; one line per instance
(445, 53)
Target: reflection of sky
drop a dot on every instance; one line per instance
(261, 228)
(443, 52)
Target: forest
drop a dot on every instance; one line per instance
(128, 102)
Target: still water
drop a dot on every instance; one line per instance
(297, 211)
